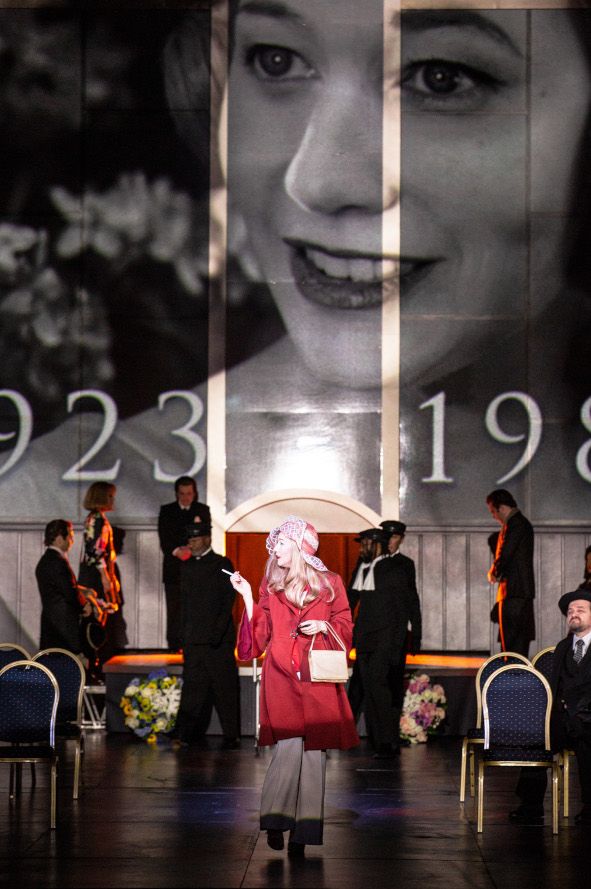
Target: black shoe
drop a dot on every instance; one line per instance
(230, 744)
(386, 751)
(275, 840)
(584, 816)
(526, 818)
(296, 850)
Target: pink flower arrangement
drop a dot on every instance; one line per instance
(423, 709)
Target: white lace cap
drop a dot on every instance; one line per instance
(304, 536)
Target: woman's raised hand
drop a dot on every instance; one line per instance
(242, 586)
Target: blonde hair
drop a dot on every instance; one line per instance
(301, 583)
(97, 496)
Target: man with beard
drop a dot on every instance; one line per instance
(570, 725)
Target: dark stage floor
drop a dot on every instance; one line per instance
(152, 817)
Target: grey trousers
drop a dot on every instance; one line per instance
(293, 792)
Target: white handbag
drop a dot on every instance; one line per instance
(328, 665)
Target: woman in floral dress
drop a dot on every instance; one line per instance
(98, 567)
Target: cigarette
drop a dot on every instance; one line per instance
(225, 571)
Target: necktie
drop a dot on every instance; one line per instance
(578, 654)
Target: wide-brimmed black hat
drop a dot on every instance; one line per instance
(198, 529)
(371, 534)
(391, 526)
(584, 593)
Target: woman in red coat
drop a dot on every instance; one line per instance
(298, 597)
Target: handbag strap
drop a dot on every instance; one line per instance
(334, 634)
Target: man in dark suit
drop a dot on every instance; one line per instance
(371, 545)
(63, 601)
(208, 639)
(172, 522)
(570, 725)
(513, 570)
(388, 602)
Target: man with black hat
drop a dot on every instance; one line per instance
(388, 602)
(570, 725)
(208, 639)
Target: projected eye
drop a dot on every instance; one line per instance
(277, 63)
(440, 82)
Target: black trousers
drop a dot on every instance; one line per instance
(382, 679)
(209, 671)
(532, 783)
(518, 625)
(172, 592)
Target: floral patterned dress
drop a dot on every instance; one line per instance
(99, 553)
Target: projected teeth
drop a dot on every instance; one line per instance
(364, 271)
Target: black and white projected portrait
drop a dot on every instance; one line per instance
(353, 158)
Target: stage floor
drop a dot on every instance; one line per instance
(160, 817)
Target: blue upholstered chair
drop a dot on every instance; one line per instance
(29, 697)
(11, 652)
(542, 661)
(475, 735)
(516, 705)
(70, 677)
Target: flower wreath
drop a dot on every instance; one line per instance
(151, 706)
(423, 709)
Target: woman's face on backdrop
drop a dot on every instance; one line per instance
(488, 139)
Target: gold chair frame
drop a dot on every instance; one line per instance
(469, 744)
(19, 760)
(79, 752)
(525, 763)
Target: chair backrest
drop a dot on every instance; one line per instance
(70, 676)
(29, 696)
(516, 704)
(490, 666)
(11, 652)
(543, 661)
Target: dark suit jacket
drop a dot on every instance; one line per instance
(60, 606)
(384, 612)
(207, 599)
(172, 522)
(515, 563)
(574, 690)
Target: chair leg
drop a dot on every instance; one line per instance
(19, 778)
(11, 786)
(463, 770)
(33, 775)
(53, 793)
(480, 795)
(565, 783)
(554, 797)
(76, 769)
(472, 768)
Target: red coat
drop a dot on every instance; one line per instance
(291, 707)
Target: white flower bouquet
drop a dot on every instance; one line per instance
(423, 709)
(151, 706)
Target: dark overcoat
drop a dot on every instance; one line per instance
(385, 612)
(515, 566)
(318, 712)
(61, 608)
(207, 601)
(172, 523)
